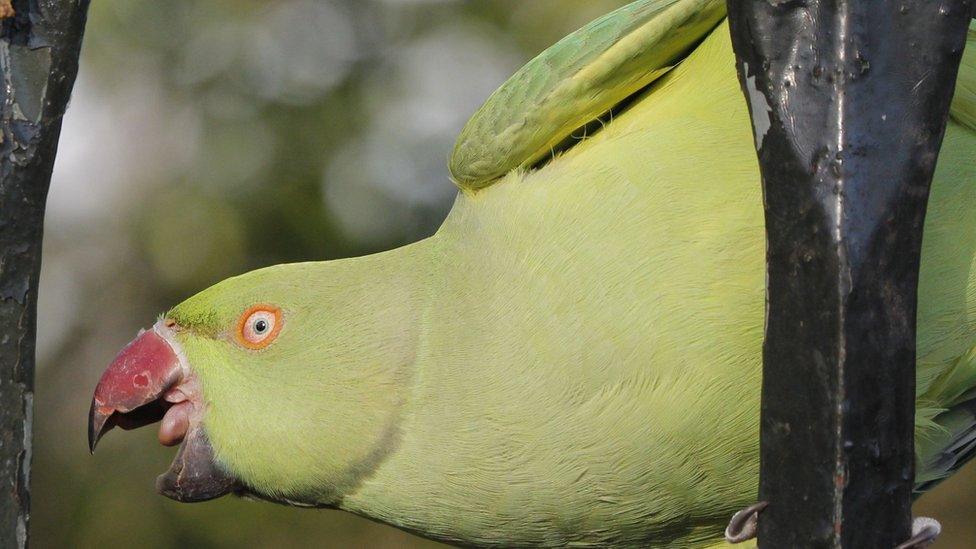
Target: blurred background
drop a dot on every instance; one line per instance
(208, 138)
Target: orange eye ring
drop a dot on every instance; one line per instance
(258, 326)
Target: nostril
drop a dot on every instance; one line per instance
(170, 323)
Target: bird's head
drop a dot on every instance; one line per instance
(285, 383)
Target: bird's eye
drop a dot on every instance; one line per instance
(259, 326)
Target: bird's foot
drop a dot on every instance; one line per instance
(924, 532)
(745, 523)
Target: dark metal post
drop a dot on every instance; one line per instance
(849, 102)
(39, 47)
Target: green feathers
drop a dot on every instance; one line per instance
(590, 71)
(308, 417)
(574, 82)
(575, 357)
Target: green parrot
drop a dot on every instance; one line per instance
(574, 358)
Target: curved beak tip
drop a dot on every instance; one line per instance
(96, 426)
(139, 375)
(132, 393)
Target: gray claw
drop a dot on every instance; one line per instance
(744, 524)
(924, 532)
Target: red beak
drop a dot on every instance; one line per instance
(128, 395)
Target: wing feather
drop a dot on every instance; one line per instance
(574, 82)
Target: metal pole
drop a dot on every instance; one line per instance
(849, 102)
(39, 45)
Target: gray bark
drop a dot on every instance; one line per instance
(39, 48)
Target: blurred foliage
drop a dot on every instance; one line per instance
(206, 139)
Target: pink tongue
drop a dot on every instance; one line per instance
(175, 424)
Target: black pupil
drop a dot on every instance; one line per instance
(261, 326)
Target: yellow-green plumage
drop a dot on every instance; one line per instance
(575, 81)
(574, 357)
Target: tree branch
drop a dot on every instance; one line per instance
(39, 47)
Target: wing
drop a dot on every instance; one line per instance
(574, 82)
(946, 424)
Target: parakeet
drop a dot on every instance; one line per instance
(574, 358)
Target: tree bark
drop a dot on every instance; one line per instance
(39, 47)
(849, 102)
